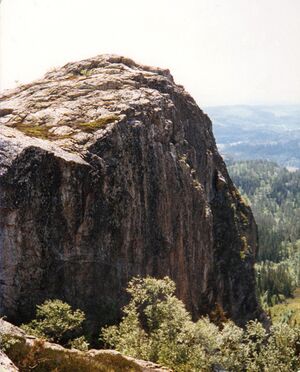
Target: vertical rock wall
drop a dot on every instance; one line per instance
(108, 169)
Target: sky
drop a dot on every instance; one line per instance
(223, 51)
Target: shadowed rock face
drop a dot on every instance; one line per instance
(108, 169)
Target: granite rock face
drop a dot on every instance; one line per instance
(108, 170)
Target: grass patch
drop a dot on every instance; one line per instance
(97, 124)
(289, 311)
(38, 131)
(43, 131)
(86, 72)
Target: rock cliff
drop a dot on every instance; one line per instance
(108, 169)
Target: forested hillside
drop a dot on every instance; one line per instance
(274, 195)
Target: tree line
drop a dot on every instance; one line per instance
(274, 196)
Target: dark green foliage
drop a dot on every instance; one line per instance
(274, 195)
(276, 281)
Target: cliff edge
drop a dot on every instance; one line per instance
(109, 170)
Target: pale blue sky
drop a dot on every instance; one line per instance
(222, 51)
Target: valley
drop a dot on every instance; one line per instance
(245, 132)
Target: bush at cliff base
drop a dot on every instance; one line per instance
(157, 327)
(57, 322)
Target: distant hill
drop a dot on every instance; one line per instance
(258, 132)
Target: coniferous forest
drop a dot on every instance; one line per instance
(274, 195)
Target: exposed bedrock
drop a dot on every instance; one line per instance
(108, 169)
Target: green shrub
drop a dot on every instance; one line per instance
(7, 341)
(55, 321)
(157, 327)
(79, 343)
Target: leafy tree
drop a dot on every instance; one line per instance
(154, 321)
(157, 327)
(56, 321)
